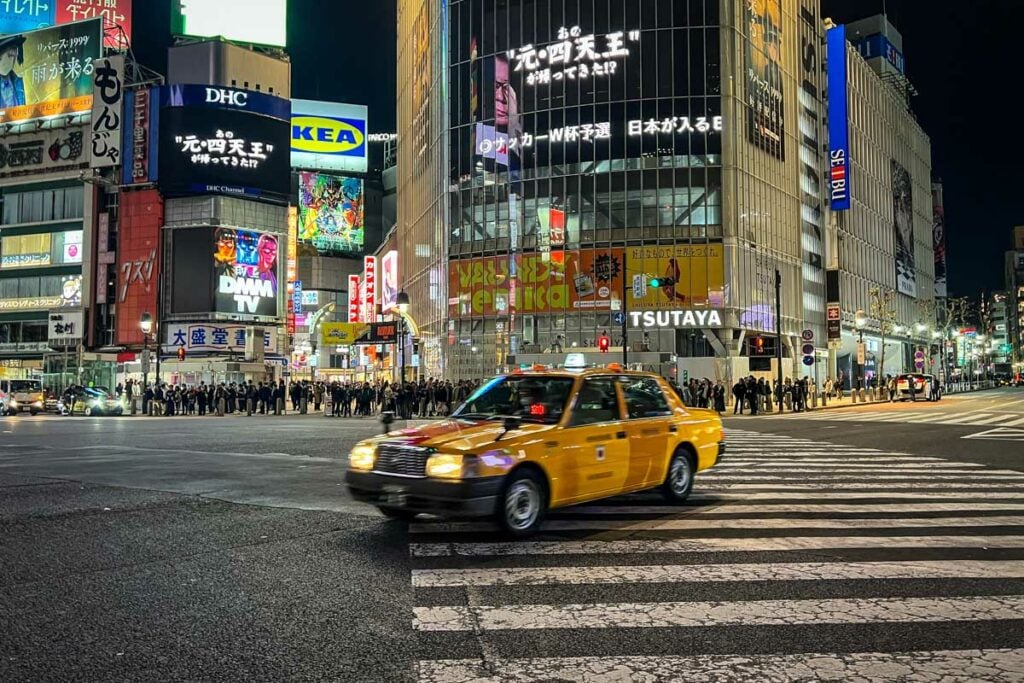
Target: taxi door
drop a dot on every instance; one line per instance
(594, 442)
(648, 426)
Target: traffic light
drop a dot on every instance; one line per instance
(181, 353)
(759, 345)
(657, 282)
(603, 342)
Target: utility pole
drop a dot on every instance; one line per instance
(778, 334)
(625, 315)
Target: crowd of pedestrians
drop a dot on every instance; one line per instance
(425, 398)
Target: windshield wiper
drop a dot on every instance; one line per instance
(476, 416)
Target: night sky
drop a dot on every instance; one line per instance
(962, 56)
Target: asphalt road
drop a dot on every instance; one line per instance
(860, 544)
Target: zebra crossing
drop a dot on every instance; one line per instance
(795, 559)
(977, 418)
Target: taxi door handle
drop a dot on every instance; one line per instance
(620, 435)
(673, 429)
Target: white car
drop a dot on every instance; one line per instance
(926, 387)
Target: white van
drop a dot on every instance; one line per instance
(21, 396)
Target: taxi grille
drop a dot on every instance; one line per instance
(404, 460)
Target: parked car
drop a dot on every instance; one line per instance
(926, 387)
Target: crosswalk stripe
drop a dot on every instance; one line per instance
(846, 486)
(696, 511)
(837, 464)
(711, 524)
(852, 495)
(705, 545)
(846, 471)
(741, 613)
(791, 571)
(995, 664)
(794, 475)
(788, 459)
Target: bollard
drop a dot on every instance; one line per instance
(279, 407)
(134, 407)
(220, 407)
(303, 405)
(249, 407)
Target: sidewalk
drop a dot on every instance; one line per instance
(847, 401)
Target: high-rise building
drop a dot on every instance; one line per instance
(882, 208)
(570, 171)
(1013, 281)
(997, 316)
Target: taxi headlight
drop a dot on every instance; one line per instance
(451, 466)
(14, 404)
(363, 457)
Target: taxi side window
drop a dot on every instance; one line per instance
(644, 398)
(596, 402)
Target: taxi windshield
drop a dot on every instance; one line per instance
(531, 398)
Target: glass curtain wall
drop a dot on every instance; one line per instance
(585, 143)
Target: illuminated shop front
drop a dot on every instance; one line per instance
(595, 167)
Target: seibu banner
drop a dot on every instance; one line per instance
(138, 262)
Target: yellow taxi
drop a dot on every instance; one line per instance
(530, 441)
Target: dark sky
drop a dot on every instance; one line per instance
(962, 56)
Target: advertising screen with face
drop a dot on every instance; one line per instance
(48, 72)
(221, 151)
(246, 267)
(331, 212)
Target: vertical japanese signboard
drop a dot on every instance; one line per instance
(354, 303)
(138, 267)
(107, 97)
(370, 278)
(138, 137)
(838, 120)
(292, 264)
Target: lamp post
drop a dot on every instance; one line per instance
(402, 301)
(146, 324)
(860, 321)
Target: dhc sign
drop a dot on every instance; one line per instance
(329, 136)
(838, 120)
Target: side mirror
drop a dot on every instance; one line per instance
(386, 419)
(510, 423)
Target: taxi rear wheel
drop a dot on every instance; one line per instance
(679, 480)
(523, 503)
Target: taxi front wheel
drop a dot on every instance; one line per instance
(679, 480)
(522, 504)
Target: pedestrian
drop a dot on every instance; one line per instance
(739, 392)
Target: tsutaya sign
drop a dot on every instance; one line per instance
(676, 319)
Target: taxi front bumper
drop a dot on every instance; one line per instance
(457, 498)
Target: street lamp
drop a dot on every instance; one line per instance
(146, 324)
(860, 321)
(402, 302)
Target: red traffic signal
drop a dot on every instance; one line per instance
(759, 344)
(603, 342)
(181, 353)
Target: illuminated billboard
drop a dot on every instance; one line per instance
(18, 16)
(331, 212)
(246, 267)
(763, 59)
(329, 136)
(223, 151)
(48, 72)
(260, 22)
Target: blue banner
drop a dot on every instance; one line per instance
(838, 121)
(26, 15)
(193, 95)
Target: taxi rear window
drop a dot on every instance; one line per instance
(532, 398)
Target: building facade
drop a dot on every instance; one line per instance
(1013, 278)
(882, 209)
(571, 171)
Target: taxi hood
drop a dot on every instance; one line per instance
(464, 436)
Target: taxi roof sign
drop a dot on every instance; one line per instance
(575, 361)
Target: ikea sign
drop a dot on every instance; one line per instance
(329, 136)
